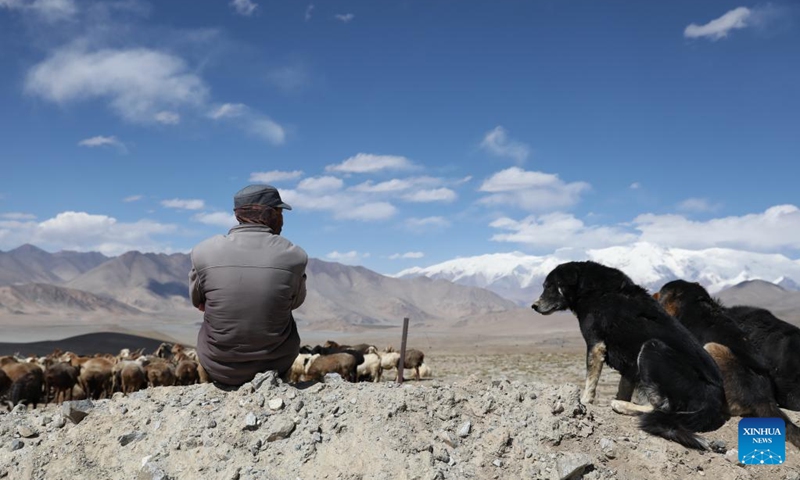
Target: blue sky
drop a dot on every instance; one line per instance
(403, 133)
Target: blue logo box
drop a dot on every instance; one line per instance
(762, 441)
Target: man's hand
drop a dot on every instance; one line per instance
(202, 307)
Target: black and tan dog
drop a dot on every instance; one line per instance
(779, 345)
(627, 328)
(748, 387)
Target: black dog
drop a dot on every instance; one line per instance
(779, 345)
(628, 329)
(748, 387)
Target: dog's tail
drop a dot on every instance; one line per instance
(771, 410)
(672, 427)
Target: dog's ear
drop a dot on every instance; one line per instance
(568, 275)
(657, 295)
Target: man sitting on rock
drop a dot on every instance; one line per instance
(247, 283)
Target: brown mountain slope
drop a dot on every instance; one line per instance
(38, 298)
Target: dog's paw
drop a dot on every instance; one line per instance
(587, 399)
(620, 406)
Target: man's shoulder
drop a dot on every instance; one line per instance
(206, 246)
(296, 250)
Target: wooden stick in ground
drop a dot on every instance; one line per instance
(402, 365)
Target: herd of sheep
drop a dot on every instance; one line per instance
(61, 376)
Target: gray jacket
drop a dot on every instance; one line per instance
(250, 281)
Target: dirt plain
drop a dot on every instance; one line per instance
(496, 407)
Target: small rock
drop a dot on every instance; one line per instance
(465, 429)
(316, 437)
(151, 471)
(333, 378)
(732, 456)
(718, 446)
(251, 421)
(255, 447)
(75, 412)
(268, 378)
(572, 465)
(276, 404)
(45, 420)
(26, 431)
(558, 408)
(211, 424)
(497, 462)
(281, 429)
(59, 422)
(448, 439)
(130, 438)
(299, 406)
(16, 444)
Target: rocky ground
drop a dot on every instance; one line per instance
(481, 416)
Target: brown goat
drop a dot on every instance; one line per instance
(160, 374)
(414, 359)
(61, 377)
(15, 371)
(5, 383)
(342, 363)
(95, 377)
(133, 377)
(186, 372)
(27, 389)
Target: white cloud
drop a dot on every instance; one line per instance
(344, 17)
(275, 176)
(389, 186)
(497, 143)
(431, 195)
(558, 230)
(427, 224)
(244, 7)
(406, 255)
(342, 205)
(533, 191)
(289, 78)
(228, 110)
(132, 198)
(167, 118)
(184, 204)
(255, 123)
(316, 185)
(369, 163)
(635, 186)
(265, 128)
(776, 228)
(101, 141)
(309, 9)
(720, 27)
(86, 232)
(698, 205)
(48, 10)
(217, 219)
(138, 83)
(368, 212)
(17, 216)
(350, 257)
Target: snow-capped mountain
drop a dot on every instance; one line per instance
(519, 277)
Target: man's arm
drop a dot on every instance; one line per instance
(300, 294)
(197, 296)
